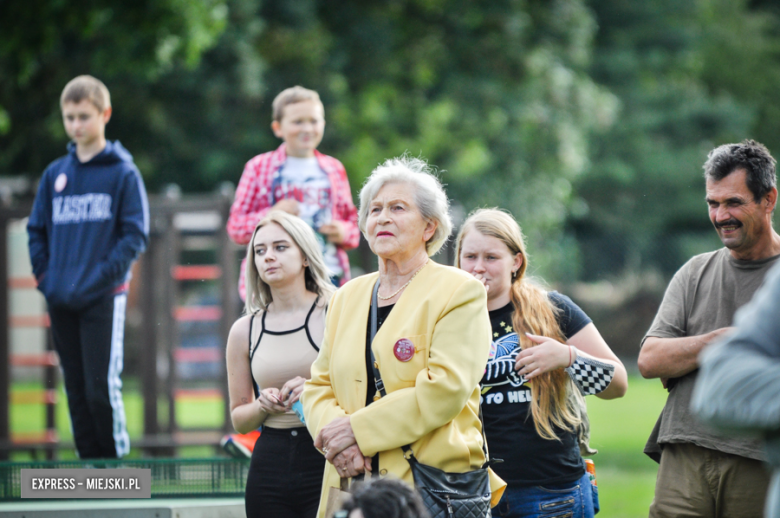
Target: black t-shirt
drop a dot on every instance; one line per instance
(381, 315)
(528, 458)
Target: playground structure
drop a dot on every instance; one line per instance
(185, 292)
(17, 288)
(178, 227)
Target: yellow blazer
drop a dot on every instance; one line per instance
(432, 400)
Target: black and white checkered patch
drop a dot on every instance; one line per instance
(591, 376)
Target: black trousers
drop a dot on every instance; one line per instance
(285, 475)
(90, 343)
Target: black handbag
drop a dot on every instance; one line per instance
(446, 495)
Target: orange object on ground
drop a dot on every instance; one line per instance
(240, 445)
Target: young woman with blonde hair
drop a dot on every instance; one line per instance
(269, 355)
(544, 348)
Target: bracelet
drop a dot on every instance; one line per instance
(571, 357)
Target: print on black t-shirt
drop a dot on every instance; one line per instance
(501, 363)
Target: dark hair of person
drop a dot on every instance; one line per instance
(384, 498)
(749, 155)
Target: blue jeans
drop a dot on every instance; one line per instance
(573, 500)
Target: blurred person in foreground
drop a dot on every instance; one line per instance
(546, 352)
(269, 355)
(431, 346)
(89, 222)
(383, 498)
(703, 472)
(744, 372)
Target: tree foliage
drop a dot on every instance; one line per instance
(594, 117)
(495, 94)
(689, 76)
(128, 45)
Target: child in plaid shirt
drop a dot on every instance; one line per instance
(298, 179)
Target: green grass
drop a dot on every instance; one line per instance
(619, 429)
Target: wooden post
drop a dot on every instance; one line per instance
(229, 296)
(5, 335)
(171, 254)
(151, 314)
(50, 384)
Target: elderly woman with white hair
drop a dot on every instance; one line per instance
(431, 344)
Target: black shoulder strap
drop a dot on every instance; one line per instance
(255, 388)
(306, 325)
(311, 310)
(253, 350)
(251, 321)
(380, 386)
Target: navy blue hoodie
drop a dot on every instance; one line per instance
(89, 223)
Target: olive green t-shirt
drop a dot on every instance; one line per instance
(703, 296)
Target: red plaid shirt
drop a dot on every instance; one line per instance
(254, 200)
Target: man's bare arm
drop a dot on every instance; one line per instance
(674, 357)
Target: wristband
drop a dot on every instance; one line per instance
(591, 376)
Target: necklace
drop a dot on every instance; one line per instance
(405, 285)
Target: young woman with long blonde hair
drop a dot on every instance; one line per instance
(544, 348)
(269, 355)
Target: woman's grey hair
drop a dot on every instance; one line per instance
(258, 293)
(429, 195)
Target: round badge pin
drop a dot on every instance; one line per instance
(60, 182)
(404, 350)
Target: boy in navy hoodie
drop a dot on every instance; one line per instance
(90, 221)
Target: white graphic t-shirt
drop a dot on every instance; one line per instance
(303, 180)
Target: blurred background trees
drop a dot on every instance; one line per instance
(132, 46)
(588, 120)
(689, 76)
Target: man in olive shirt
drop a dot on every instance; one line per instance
(701, 472)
